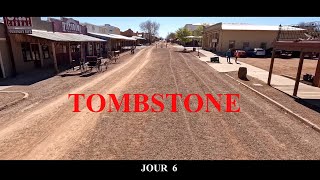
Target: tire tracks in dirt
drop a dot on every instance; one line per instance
(50, 131)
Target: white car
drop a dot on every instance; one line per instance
(259, 52)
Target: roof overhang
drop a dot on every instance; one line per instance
(65, 37)
(306, 46)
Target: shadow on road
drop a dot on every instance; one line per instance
(28, 78)
(313, 104)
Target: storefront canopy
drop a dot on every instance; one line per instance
(65, 37)
(137, 37)
(111, 36)
(194, 37)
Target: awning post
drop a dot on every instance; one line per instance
(70, 56)
(316, 79)
(296, 85)
(271, 66)
(54, 58)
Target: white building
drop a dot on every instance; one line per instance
(192, 27)
(106, 29)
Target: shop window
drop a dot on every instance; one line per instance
(35, 52)
(263, 45)
(246, 45)
(64, 47)
(232, 44)
(98, 49)
(90, 50)
(45, 52)
(30, 52)
(26, 51)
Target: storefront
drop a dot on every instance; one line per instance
(223, 36)
(56, 48)
(115, 42)
(5, 60)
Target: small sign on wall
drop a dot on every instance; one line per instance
(214, 40)
(18, 25)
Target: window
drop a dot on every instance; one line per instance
(26, 51)
(98, 49)
(263, 45)
(246, 45)
(45, 51)
(75, 48)
(90, 50)
(30, 52)
(232, 44)
(35, 52)
(64, 47)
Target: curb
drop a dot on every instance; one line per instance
(26, 95)
(302, 119)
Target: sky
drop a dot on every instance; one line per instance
(171, 24)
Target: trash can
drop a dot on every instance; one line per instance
(214, 59)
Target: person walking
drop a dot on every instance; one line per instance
(237, 55)
(228, 54)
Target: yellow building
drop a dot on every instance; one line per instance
(223, 36)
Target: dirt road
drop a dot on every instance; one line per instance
(50, 130)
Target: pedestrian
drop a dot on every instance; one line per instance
(228, 54)
(236, 55)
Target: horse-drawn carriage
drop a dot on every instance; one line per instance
(97, 63)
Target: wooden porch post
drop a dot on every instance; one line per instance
(40, 54)
(296, 85)
(93, 48)
(54, 57)
(271, 66)
(70, 56)
(88, 44)
(316, 79)
(81, 51)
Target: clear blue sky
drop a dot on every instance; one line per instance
(171, 24)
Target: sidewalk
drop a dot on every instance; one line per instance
(3, 87)
(281, 83)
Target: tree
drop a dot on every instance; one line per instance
(150, 27)
(199, 30)
(182, 33)
(171, 36)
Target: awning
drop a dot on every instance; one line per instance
(194, 37)
(103, 36)
(66, 37)
(137, 37)
(117, 36)
(111, 36)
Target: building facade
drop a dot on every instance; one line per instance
(53, 43)
(5, 59)
(192, 27)
(222, 36)
(106, 29)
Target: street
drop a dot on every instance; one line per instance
(45, 127)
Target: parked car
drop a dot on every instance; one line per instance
(286, 54)
(256, 52)
(242, 53)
